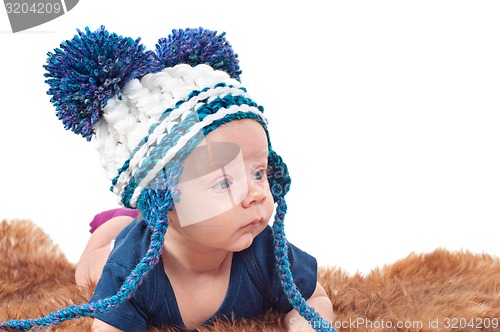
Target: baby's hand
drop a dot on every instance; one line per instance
(320, 302)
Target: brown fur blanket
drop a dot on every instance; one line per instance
(422, 292)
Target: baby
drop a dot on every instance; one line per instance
(186, 146)
(222, 265)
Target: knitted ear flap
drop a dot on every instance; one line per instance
(278, 177)
(88, 70)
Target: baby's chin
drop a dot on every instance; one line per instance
(243, 242)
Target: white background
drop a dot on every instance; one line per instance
(387, 113)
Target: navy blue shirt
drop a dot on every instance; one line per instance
(254, 287)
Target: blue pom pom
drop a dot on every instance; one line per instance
(199, 46)
(88, 70)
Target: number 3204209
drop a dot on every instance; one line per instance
(471, 323)
(33, 8)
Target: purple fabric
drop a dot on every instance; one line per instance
(104, 216)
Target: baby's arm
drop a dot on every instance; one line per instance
(89, 268)
(320, 302)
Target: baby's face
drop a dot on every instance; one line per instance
(225, 196)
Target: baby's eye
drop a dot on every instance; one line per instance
(223, 184)
(259, 174)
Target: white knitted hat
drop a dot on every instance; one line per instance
(134, 110)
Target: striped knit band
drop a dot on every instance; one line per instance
(170, 117)
(175, 129)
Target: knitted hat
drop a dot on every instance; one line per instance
(146, 112)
